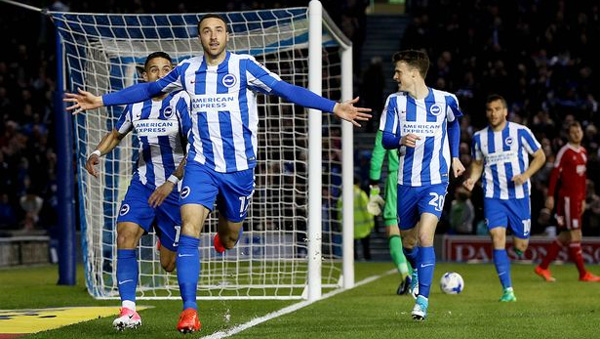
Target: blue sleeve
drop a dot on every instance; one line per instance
(454, 112)
(132, 94)
(454, 137)
(124, 124)
(144, 91)
(302, 96)
(390, 140)
(186, 121)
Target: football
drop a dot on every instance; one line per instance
(452, 283)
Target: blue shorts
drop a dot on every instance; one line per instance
(414, 201)
(232, 191)
(165, 218)
(515, 213)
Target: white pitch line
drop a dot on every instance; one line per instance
(289, 309)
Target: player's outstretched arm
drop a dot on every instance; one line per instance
(302, 96)
(162, 192)
(107, 144)
(132, 94)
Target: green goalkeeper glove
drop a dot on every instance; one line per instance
(375, 201)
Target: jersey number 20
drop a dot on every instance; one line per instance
(437, 201)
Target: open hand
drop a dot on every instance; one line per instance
(82, 101)
(347, 111)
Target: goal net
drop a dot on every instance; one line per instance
(104, 53)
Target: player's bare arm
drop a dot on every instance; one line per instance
(539, 158)
(162, 192)
(476, 170)
(347, 111)
(107, 144)
(82, 101)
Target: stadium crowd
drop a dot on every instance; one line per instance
(538, 56)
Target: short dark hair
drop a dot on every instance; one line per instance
(216, 16)
(574, 124)
(414, 58)
(496, 97)
(157, 55)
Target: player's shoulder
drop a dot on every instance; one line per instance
(481, 131)
(180, 95)
(397, 96)
(519, 127)
(447, 96)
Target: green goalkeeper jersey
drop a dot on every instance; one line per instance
(391, 182)
(377, 159)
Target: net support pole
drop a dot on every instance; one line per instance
(315, 39)
(64, 176)
(347, 175)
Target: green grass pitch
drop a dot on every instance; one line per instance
(565, 309)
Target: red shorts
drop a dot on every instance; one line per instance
(568, 213)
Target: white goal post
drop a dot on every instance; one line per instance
(293, 245)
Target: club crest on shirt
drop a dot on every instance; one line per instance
(508, 141)
(168, 112)
(229, 80)
(124, 209)
(435, 109)
(185, 192)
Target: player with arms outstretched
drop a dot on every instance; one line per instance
(570, 170)
(423, 123)
(152, 197)
(390, 205)
(222, 144)
(500, 154)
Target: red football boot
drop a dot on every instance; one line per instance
(188, 321)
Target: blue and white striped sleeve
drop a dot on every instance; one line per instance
(454, 108)
(182, 106)
(259, 78)
(124, 124)
(528, 140)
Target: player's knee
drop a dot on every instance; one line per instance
(126, 240)
(229, 242)
(168, 265)
(521, 246)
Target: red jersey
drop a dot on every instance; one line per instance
(569, 168)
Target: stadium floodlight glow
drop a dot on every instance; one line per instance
(103, 53)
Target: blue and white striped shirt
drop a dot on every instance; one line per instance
(223, 108)
(160, 127)
(429, 162)
(504, 155)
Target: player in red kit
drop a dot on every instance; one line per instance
(569, 169)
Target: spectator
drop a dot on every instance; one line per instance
(31, 204)
(8, 217)
(363, 221)
(462, 212)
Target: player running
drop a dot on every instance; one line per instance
(500, 153)
(423, 123)
(570, 170)
(151, 198)
(390, 215)
(223, 88)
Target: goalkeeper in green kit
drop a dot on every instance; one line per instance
(390, 218)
